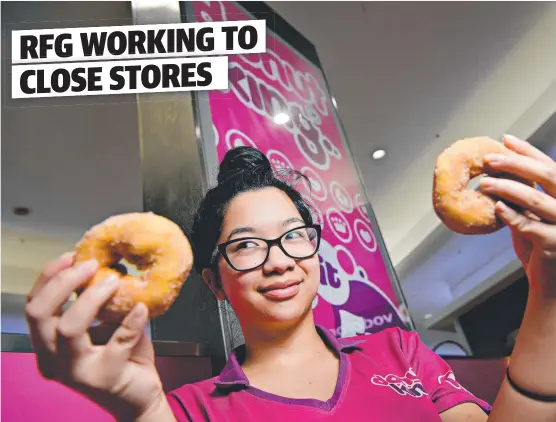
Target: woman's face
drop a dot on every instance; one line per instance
(267, 213)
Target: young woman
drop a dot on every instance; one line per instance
(255, 245)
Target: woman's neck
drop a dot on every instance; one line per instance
(288, 345)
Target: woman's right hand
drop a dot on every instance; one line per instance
(119, 375)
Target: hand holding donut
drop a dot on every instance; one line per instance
(511, 200)
(120, 376)
(534, 229)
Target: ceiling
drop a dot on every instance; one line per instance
(408, 77)
(402, 72)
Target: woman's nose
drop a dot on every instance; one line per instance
(278, 261)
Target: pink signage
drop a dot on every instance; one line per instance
(279, 103)
(28, 397)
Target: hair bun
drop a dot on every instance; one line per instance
(244, 161)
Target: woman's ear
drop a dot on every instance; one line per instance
(211, 278)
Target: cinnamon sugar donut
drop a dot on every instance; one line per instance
(463, 210)
(155, 245)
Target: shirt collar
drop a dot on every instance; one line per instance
(232, 374)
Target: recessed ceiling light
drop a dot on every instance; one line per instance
(378, 154)
(281, 118)
(21, 211)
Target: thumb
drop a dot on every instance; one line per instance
(129, 334)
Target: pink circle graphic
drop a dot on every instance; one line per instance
(341, 197)
(361, 207)
(236, 138)
(332, 150)
(279, 161)
(364, 234)
(315, 211)
(317, 187)
(339, 225)
(346, 260)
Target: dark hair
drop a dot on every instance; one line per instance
(242, 169)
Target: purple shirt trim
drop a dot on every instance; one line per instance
(233, 376)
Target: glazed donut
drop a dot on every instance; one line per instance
(462, 210)
(154, 244)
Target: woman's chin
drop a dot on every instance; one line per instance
(287, 312)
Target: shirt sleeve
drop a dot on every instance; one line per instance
(436, 375)
(178, 409)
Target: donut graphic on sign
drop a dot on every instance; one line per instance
(365, 235)
(361, 207)
(357, 292)
(331, 149)
(279, 162)
(316, 186)
(236, 138)
(339, 225)
(341, 197)
(316, 213)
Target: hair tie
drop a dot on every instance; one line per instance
(527, 393)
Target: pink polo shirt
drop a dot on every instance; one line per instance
(389, 376)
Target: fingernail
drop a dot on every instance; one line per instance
(67, 256)
(487, 182)
(501, 208)
(109, 282)
(513, 139)
(506, 213)
(495, 158)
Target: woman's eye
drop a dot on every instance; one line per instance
(245, 244)
(294, 235)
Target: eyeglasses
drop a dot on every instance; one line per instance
(248, 253)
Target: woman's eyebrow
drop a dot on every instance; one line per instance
(293, 220)
(285, 223)
(239, 230)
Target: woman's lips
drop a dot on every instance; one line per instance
(282, 291)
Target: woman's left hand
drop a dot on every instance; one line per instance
(534, 230)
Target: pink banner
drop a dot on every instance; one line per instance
(356, 294)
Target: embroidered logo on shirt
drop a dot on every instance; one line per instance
(450, 379)
(407, 385)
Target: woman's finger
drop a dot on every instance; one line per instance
(531, 215)
(128, 335)
(519, 222)
(527, 168)
(42, 311)
(52, 296)
(73, 327)
(521, 195)
(51, 270)
(525, 148)
(42, 336)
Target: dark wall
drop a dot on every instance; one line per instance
(488, 325)
(483, 377)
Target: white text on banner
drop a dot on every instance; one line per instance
(119, 77)
(138, 41)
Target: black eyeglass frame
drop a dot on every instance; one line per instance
(221, 248)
